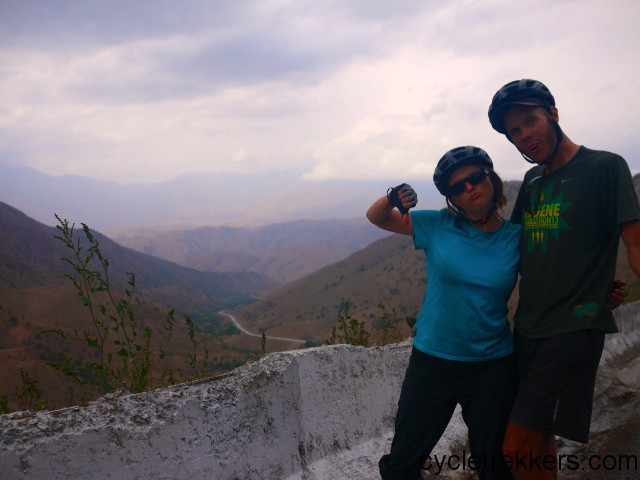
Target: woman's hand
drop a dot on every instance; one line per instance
(403, 197)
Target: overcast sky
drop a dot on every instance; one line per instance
(147, 90)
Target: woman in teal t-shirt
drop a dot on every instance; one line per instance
(463, 349)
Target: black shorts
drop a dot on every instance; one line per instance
(556, 381)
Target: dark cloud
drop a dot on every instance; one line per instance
(243, 59)
(386, 11)
(300, 78)
(255, 57)
(71, 23)
(223, 42)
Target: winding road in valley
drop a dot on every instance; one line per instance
(259, 335)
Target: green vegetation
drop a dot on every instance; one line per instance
(352, 331)
(212, 324)
(389, 326)
(349, 330)
(120, 342)
(117, 349)
(30, 397)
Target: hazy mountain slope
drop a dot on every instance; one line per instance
(390, 270)
(29, 245)
(284, 251)
(191, 200)
(35, 296)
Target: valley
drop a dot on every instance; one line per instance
(294, 281)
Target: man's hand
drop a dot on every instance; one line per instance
(617, 294)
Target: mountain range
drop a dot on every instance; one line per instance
(283, 251)
(388, 272)
(30, 250)
(35, 296)
(237, 200)
(379, 273)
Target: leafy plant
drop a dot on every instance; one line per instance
(389, 326)
(349, 330)
(193, 357)
(31, 395)
(4, 404)
(352, 331)
(122, 343)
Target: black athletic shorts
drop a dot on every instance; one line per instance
(556, 381)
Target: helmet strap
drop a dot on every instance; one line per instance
(460, 213)
(484, 220)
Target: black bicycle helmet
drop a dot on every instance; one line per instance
(456, 158)
(519, 92)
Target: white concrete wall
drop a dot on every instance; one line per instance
(318, 413)
(324, 413)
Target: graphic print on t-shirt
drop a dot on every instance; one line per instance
(546, 219)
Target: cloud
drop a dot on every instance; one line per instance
(145, 91)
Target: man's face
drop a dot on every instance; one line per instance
(531, 130)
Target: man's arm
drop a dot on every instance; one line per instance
(631, 238)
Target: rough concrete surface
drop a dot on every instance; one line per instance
(323, 413)
(317, 413)
(613, 452)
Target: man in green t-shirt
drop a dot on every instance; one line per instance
(574, 205)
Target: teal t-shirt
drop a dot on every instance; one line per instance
(470, 277)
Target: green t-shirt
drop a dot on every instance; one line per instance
(569, 246)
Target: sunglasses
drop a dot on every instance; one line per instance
(472, 179)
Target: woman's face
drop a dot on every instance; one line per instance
(471, 189)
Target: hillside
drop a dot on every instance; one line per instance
(388, 271)
(35, 296)
(26, 245)
(284, 251)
